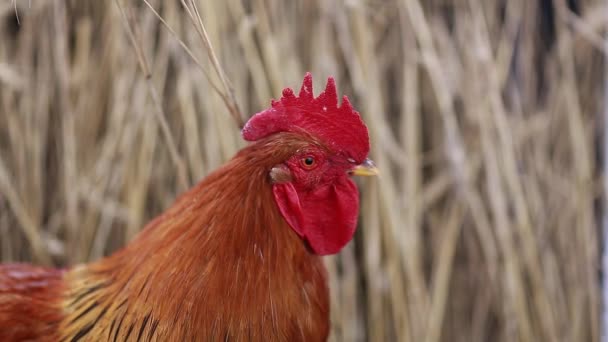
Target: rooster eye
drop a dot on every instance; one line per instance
(308, 162)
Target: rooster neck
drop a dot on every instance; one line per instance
(221, 262)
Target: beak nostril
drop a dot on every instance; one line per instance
(367, 168)
(369, 163)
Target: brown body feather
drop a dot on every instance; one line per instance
(30, 302)
(220, 264)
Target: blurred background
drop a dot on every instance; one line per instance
(486, 119)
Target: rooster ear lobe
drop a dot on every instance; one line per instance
(280, 174)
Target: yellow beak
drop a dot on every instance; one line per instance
(367, 168)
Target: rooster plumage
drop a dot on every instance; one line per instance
(236, 258)
(30, 302)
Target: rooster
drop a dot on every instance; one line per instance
(235, 258)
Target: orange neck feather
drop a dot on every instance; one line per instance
(220, 263)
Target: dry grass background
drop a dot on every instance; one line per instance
(484, 117)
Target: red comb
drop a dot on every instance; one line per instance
(340, 127)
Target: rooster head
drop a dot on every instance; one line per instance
(312, 186)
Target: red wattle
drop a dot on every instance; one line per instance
(326, 217)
